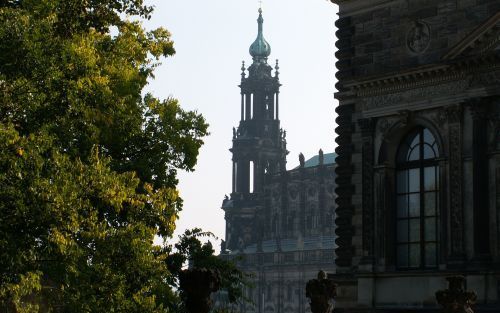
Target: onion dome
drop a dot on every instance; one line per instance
(260, 48)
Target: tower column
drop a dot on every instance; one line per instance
(242, 107)
(277, 106)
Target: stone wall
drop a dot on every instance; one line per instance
(405, 65)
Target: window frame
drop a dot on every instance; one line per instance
(404, 167)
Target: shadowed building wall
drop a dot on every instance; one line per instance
(418, 166)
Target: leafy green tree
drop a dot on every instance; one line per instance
(190, 251)
(88, 166)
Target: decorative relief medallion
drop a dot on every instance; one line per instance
(418, 37)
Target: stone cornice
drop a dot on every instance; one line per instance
(422, 76)
(353, 7)
(484, 37)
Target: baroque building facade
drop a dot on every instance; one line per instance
(279, 223)
(418, 165)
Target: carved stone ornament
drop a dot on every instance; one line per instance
(456, 299)
(383, 126)
(405, 117)
(321, 292)
(196, 285)
(413, 95)
(418, 37)
(454, 113)
(441, 117)
(486, 79)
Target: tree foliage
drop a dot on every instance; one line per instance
(197, 254)
(88, 166)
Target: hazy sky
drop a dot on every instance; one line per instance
(211, 39)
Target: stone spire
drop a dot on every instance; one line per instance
(260, 48)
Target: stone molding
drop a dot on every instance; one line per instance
(481, 39)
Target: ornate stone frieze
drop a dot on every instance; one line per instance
(408, 96)
(482, 79)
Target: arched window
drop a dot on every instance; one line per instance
(417, 209)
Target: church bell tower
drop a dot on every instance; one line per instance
(259, 144)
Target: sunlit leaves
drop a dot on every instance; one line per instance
(87, 164)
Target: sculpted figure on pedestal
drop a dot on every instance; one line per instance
(321, 292)
(456, 299)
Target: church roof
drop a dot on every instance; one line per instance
(329, 158)
(314, 161)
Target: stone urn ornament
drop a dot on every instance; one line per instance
(456, 299)
(196, 285)
(321, 292)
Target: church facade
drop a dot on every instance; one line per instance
(418, 165)
(279, 223)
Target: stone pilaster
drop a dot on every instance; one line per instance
(455, 118)
(366, 126)
(480, 180)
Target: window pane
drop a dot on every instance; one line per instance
(414, 204)
(414, 180)
(402, 206)
(430, 254)
(414, 154)
(415, 230)
(428, 137)
(429, 152)
(430, 203)
(402, 231)
(402, 256)
(430, 178)
(415, 141)
(414, 255)
(402, 182)
(430, 229)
